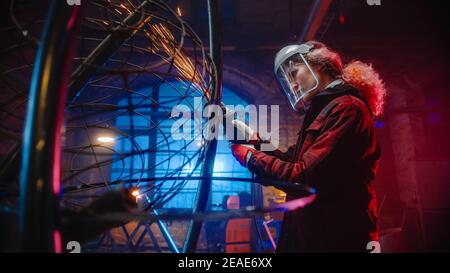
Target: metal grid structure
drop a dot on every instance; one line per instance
(125, 48)
(125, 51)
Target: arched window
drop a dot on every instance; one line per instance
(151, 131)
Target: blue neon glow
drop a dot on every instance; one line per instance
(225, 165)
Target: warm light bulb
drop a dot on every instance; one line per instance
(105, 139)
(135, 192)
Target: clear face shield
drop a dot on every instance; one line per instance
(295, 74)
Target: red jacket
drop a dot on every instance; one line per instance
(337, 153)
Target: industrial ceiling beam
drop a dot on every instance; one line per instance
(315, 18)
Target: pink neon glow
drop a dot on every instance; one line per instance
(56, 175)
(298, 203)
(73, 18)
(57, 241)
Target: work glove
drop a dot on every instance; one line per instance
(242, 153)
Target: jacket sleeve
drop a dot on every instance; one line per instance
(285, 156)
(342, 118)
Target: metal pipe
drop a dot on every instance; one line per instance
(318, 11)
(40, 169)
(204, 186)
(166, 234)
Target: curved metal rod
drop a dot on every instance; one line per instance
(204, 188)
(41, 154)
(244, 212)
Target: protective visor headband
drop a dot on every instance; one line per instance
(287, 61)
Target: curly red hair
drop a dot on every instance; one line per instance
(358, 74)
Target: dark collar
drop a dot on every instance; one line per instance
(323, 98)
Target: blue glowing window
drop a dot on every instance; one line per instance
(151, 138)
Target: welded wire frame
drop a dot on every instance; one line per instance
(162, 51)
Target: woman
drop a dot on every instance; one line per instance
(337, 151)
